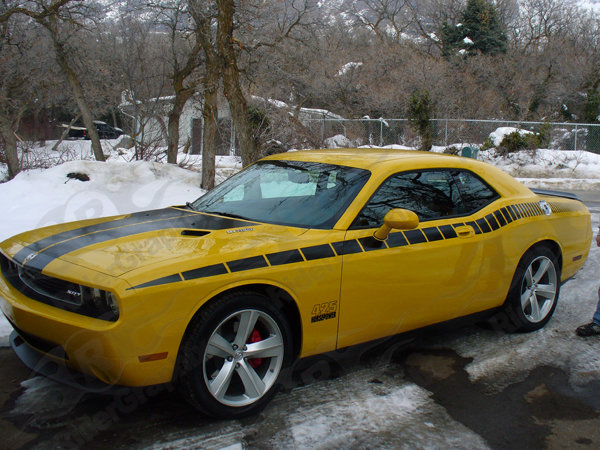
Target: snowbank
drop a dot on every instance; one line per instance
(41, 197)
(545, 164)
(498, 135)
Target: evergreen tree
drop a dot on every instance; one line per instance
(479, 31)
(420, 110)
(590, 115)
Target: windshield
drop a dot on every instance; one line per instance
(296, 193)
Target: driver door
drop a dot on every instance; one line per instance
(415, 277)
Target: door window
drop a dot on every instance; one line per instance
(431, 194)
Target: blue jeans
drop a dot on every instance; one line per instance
(597, 315)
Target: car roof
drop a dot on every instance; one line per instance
(364, 158)
(383, 161)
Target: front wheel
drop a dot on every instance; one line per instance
(534, 292)
(233, 355)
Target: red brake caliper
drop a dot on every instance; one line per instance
(254, 337)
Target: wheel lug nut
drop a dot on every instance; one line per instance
(229, 358)
(234, 346)
(245, 347)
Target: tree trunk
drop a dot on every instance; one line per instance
(65, 133)
(231, 83)
(10, 147)
(209, 133)
(79, 96)
(173, 141)
(173, 126)
(211, 96)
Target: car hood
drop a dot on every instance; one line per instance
(117, 245)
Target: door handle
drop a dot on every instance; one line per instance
(465, 231)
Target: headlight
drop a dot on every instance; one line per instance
(88, 301)
(100, 304)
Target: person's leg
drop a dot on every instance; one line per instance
(593, 328)
(597, 314)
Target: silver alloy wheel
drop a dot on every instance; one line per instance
(538, 290)
(243, 357)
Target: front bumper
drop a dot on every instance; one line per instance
(43, 364)
(48, 338)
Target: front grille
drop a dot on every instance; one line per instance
(54, 288)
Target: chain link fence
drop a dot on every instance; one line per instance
(447, 132)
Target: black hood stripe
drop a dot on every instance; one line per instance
(144, 216)
(52, 247)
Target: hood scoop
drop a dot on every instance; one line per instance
(194, 233)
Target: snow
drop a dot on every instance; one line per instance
(468, 41)
(46, 397)
(370, 415)
(347, 67)
(498, 135)
(546, 164)
(338, 141)
(47, 196)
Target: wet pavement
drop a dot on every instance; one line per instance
(397, 393)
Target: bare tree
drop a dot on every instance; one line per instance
(184, 59)
(388, 19)
(62, 19)
(24, 77)
(204, 16)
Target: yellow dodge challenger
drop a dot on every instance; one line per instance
(300, 253)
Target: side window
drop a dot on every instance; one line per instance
(430, 194)
(474, 192)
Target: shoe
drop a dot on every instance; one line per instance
(590, 329)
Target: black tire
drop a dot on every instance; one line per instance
(221, 379)
(533, 293)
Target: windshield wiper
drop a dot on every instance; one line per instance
(233, 216)
(189, 205)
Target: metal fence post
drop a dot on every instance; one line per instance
(323, 130)
(381, 133)
(446, 135)
(575, 137)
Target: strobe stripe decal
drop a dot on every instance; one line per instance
(347, 247)
(488, 224)
(164, 280)
(317, 252)
(203, 272)
(287, 257)
(254, 262)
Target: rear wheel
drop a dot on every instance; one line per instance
(233, 355)
(534, 292)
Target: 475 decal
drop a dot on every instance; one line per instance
(323, 311)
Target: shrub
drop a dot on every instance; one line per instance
(544, 135)
(420, 111)
(516, 141)
(487, 144)
(452, 150)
